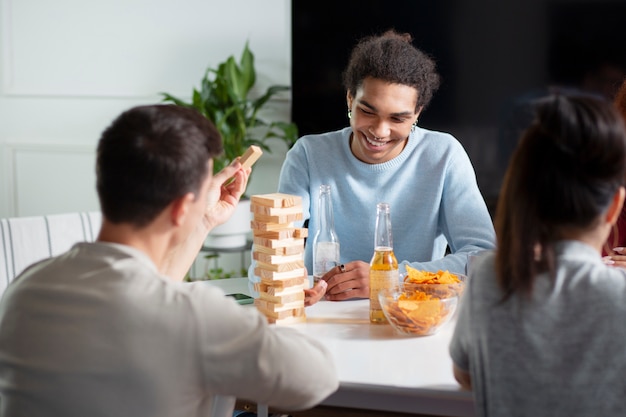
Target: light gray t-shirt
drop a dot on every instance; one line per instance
(560, 353)
(98, 331)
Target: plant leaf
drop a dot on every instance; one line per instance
(248, 73)
(170, 98)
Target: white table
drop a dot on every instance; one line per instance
(378, 368)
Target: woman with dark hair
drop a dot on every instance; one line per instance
(384, 156)
(540, 329)
(615, 247)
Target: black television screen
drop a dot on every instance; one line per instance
(489, 54)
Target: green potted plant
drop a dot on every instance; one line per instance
(225, 98)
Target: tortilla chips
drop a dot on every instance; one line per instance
(424, 302)
(416, 276)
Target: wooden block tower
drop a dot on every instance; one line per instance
(279, 254)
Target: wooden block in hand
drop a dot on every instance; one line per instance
(250, 156)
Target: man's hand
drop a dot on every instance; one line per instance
(224, 193)
(351, 280)
(313, 295)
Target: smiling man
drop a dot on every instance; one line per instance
(384, 156)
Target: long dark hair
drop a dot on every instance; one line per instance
(563, 175)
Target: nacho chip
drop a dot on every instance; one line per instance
(416, 276)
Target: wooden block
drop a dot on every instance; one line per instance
(289, 250)
(279, 218)
(301, 232)
(266, 275)
(277, 290)
(287, 320)
(273, 307)
(275, 211)
(283, 298)
(252, 154)
(281, 314)
(275, 244)
(283, 284)
(276, 200)
(297, 258)
(291, 232)
(263, 226)
(279, 267)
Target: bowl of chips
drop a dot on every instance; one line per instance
(423, 303)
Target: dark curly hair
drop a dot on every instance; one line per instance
(392, 57)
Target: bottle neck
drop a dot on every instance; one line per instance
(383, 239)
(326, 225)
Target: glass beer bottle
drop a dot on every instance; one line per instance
(325, 242)
(384, 265)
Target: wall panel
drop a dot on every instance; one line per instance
(60, 177)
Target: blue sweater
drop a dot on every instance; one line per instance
(431, 188)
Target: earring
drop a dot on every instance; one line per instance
(413, 126)
(349, 114)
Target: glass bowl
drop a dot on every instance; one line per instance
(420, 309)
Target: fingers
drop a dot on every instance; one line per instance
(313, 295)
(608, 260)
(232, 180)
(615, 260)
(227, 172)
(347, 281)
(348, 295)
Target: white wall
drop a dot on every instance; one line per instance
(68, 67)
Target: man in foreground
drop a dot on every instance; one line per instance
(109, 329)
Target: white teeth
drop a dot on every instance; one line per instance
(375, 143)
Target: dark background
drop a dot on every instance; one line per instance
(491, 55)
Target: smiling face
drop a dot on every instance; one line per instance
(382, 116)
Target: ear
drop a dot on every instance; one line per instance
(180, 208)
(615, 209)
(349, 99)
(417, 114)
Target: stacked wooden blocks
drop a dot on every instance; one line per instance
(279, 254)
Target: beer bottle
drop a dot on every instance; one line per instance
(325, 242)
(384, 265)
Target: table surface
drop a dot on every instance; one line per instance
(378, 368)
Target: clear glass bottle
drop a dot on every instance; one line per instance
(384, 265)
(325, 241)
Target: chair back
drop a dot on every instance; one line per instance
(26, 240)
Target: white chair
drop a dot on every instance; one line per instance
(25, 240)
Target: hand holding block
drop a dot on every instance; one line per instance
(250, 156)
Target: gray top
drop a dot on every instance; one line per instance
(560, 353)
(98, 331)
